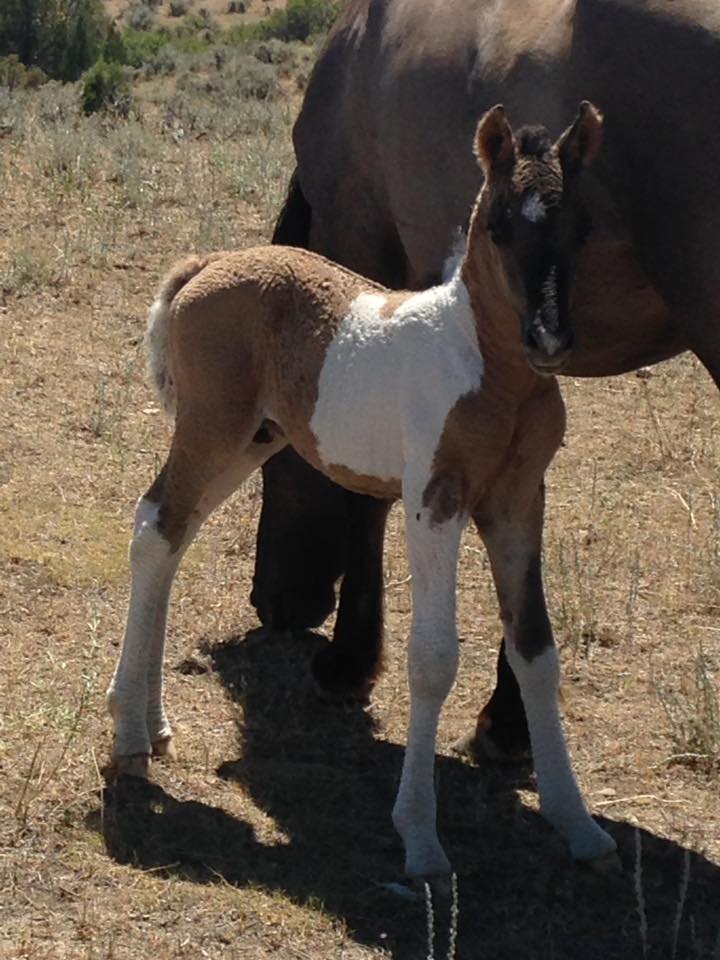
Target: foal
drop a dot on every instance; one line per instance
(442, 397)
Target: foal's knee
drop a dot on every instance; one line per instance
(539, 671)
(148, 546)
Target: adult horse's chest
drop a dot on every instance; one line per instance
(390, 379)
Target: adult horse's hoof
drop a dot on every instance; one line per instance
(481, 748)
(337, 677)
(303, 608)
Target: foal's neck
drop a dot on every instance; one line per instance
(496, 320)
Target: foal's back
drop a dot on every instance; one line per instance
(341, 365)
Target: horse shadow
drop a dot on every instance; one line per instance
(329, 784)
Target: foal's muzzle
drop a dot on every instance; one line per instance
(547, 350)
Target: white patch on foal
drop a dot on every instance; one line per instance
(533, 208)
(135, 693)
(432, 665)
(388, 383)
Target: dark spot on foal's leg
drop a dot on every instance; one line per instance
(443, 497)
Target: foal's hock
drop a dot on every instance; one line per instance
(444, 398)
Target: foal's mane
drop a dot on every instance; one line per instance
(533, 141)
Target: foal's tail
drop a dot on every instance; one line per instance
(156, 337)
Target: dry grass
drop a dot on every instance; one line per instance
(272, 836)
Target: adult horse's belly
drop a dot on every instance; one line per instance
(621, 321)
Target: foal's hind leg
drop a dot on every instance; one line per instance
(201, 471)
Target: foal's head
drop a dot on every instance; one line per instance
(535, 221)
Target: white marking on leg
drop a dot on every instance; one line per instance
(135, 693)
(379, 372)
(560, 797)
(432, 665)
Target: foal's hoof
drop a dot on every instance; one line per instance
(132, 765)
(164, 747)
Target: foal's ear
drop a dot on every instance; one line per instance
(494, 143)
(580, 144)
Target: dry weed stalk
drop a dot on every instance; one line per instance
(454, 916)
(682, 896)
(639, 895)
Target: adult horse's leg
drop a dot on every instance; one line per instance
(501, 732)
(302, 534)
(301, 544)
(349, 665)
(311, 531)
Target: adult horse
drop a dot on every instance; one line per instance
(382, 182)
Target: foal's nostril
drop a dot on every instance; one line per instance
(550, 343)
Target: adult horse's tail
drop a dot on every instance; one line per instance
(293, 225)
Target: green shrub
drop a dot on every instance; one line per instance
(106, 88)
(178, 8)
(139, 17)
(299, 20)
(16, 76)
(198, 24)
(255, 80)
(60, 37)
(142, 46)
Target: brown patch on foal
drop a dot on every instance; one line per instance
(393, 301)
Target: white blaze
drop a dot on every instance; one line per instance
(533, 208)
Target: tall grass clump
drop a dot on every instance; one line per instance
(694, 717)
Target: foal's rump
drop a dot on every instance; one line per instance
(239, 334)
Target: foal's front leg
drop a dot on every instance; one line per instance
(432, 665)
(513, 535)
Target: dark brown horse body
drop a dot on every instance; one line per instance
(384, 178)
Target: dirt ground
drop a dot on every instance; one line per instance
(271, 835)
